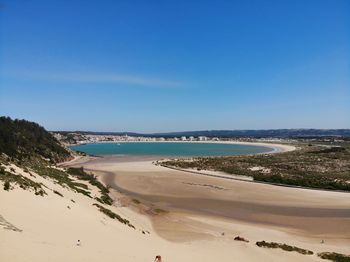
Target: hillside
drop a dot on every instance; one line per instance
(27, 146)
(28, 161)
(31, 177)
(24, 139)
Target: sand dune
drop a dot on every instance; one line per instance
(205, 215)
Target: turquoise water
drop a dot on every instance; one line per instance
(169, 149)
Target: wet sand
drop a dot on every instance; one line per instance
(306, 215)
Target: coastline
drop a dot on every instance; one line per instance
(202, 203)
(176, 215)
(275, 147)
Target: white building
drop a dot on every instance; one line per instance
(202, 138)
(183, 138)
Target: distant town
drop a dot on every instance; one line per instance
(76, 138)
(79, 137)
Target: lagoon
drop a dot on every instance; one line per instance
(171, 149)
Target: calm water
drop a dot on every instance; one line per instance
(169, 149)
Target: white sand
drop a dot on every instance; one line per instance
(50, 229)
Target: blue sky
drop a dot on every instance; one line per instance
(155, 66)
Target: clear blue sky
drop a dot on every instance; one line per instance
(151, 66)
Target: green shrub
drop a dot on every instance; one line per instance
(312, 167)
(283, 247)
(79, 173)
(7, 186)
(160, 211)
(136, 201)
(58, 193)
(113, 215)
(336, 257)
(23, 182)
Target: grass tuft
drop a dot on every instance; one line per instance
(136, 201)
(336, 257)
(311, 167)
(58, 193)
(113, 215)
(79, 173)
(283, 247)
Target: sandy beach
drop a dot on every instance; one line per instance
(179, 215)
(203, 208)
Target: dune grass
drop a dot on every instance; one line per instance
(136, 201)
(336, 257)
(79, 173)
(10, 179)
(113, 215)
(311, 166)
(58, 193)
(284, 247)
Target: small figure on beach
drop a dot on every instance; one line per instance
(322, 242)
(158, 259)
(78, 243)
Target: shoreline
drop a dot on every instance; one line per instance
(275, 147)
(203, 209)
(81, 160)
(142, 179)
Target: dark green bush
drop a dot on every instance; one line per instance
(336, 257)
(113, 215)
(7, 186)
(283, 247)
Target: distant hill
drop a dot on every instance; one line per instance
(21, 138)
(272, 133)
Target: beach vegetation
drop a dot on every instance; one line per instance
(136, 201)
(284, 247)
(160, 211)
(58, 193)
(23, 139)
(30, 147)
(11, 179)
(7, 185)
(313, 167)
(59, 176)
(113, 215)
(79, 173)
(238, 238)
(336, 257)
